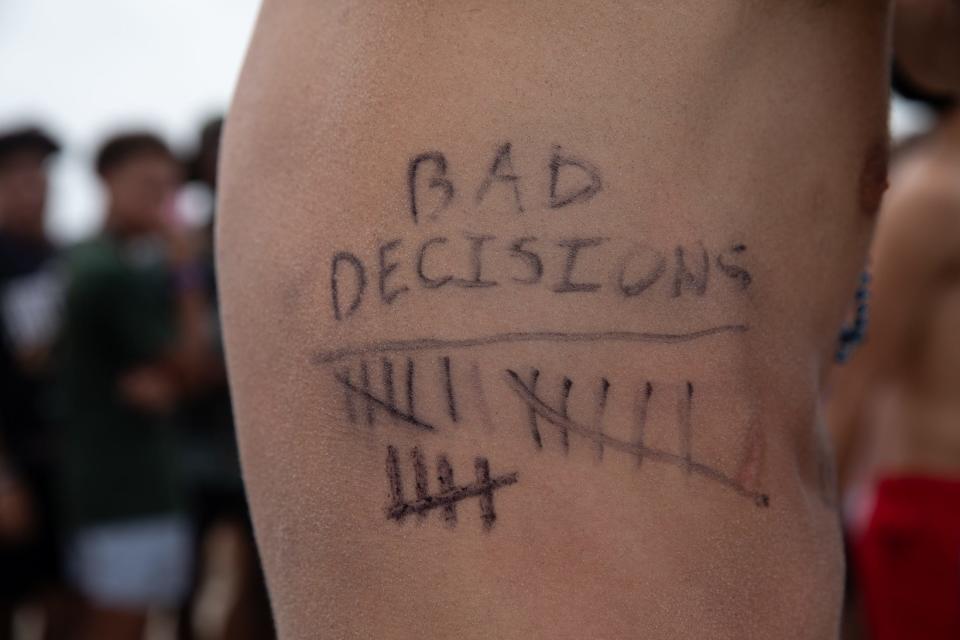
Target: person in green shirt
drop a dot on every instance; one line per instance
(132, 343)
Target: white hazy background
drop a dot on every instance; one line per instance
(87, 68)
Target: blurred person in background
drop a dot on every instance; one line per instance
(30, 296)
(134, 341)
(895, 409)
(224, 536)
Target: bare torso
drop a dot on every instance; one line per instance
(613, 243)
(918, 410)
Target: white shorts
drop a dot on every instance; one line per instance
(134, 564)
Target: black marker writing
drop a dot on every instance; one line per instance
(561, 160)
(427, 281)
(437, 181)
(565, 424)
(687, 279)
(388, 295)
(656, 266)
(447, 375)
(501, 171)
(573, 246)
(449, 495)
(564, 409)
(369, 405)
(476, 261)
(735, 271)
(421, 487)
(372, 402)
(601, 408)
(559, 337)
(532, 260)
(360, 283)
(532, 415)
(640, 419)
(411, 388)
(389, 389)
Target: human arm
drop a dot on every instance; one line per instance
(671, 217)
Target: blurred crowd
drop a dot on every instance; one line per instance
(120, 489)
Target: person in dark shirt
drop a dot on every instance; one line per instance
(132, 341)
(29, 308)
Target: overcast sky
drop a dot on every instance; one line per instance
(86, 68)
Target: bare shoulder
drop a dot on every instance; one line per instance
(921, 219)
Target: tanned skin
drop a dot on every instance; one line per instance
(895, 407)
(613, 243)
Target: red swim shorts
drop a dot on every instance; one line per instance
(908, 560)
